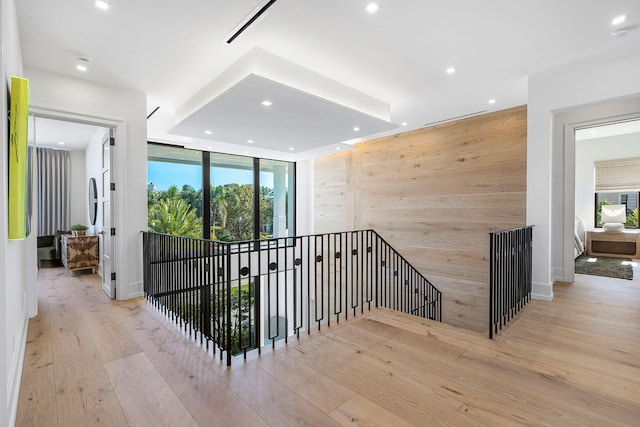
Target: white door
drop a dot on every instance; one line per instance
(107, 235)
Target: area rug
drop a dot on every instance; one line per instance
(619, 268)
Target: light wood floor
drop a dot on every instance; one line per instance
(574, 361)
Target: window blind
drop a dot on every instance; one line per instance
(618, 175)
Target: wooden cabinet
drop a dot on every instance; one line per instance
(80, 252)
(622, 244)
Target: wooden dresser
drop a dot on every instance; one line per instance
(621, 244)
(80, 252)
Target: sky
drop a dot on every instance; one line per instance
(164, 174)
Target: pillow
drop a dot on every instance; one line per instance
(613, 226)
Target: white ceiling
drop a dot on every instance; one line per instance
(296, 121)
(621, 128)
(397, 57)
(60, 134)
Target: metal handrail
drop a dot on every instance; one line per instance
(241, 295)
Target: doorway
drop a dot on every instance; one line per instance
(607, 175)
(565, 125)
(84, 142)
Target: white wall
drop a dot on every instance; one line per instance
(590, 151)
(63, 96)
(17, 258)
(568, 88)
(304, 197)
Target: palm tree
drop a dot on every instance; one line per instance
(174, 216)
(219, 206)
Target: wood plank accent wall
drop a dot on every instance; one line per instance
(434, 194)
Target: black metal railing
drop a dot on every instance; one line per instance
(509, 275)
(243, 295)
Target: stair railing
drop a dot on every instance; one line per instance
(240, 296)
(509, 275)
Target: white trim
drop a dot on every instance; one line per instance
(136, 289)
(542, 291)
(565, 123)
(119, 171)
(557, 275)
(15, 372)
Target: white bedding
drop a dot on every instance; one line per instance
(580, 237)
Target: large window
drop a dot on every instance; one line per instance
(276, 198)
(232, 210)
(616, 183)
(249, 198)
(629, 199)
(174, 190)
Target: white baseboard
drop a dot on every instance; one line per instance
(557, 275)
(136, 289)
(542, 291)
(15, 372)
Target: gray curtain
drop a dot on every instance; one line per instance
(53, 190)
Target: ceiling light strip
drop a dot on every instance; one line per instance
(251, 21)
(153, 112)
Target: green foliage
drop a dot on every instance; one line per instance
(174, 216)
(231, 211)
(242, 309)
(238, 204)
(79, 227)
(632, 220)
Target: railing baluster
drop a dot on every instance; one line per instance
(509, 275)
(198, 284)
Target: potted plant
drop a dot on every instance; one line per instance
(79, 229)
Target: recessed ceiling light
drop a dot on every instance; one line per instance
(291, 148)
(404, 123)
(356, 129)
(451, 70)
(372, 7)
(81, 67)
(492, 101)
(267, 103)
(209, 147)
(61, 142)
(208, 132)
(102, 4)
(250, 141)
(338, 149)
(619, 20)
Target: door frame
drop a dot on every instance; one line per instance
(118, 175)
(109, 283)
(565, 123)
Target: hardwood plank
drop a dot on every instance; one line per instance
(272, 400)
(109, 335)
(144, 395)
(363, 412)
(475, 372)
(322, 392)
(210, 401)
(568, 362)
(37, 401)
(83, 392)
(353, 366)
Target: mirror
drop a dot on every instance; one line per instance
(93, 201)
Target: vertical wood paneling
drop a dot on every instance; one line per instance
(434, 194)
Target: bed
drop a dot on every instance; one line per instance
(580, 237)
